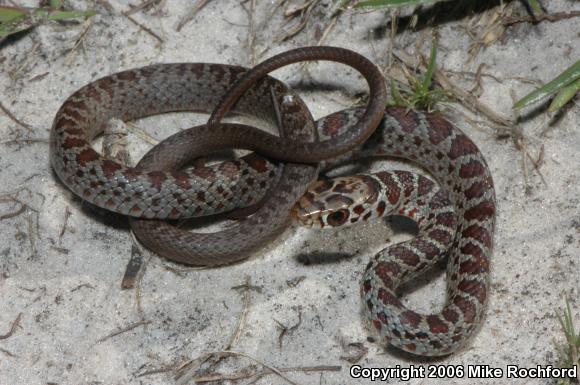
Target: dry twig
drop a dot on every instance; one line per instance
(187, 18)
(139, 7)
(186, 372)
(15, 74)
(257, 374)
(67, 214)
(135, 129)
(164, 369)
(287, 330)
(124, 330)
(14, 118)
(551, 17)
(15, 213)
(6, 352)
(80, 40)
(110, 8)
(234, 353)
(87, 285)
(13, 327)
(304, 11)
(146, 29)
(23, 141)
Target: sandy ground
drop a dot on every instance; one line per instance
(61, 263)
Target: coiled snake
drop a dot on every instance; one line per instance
(148, 192)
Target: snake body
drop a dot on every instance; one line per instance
(455, 161)
(251, 233)
(458, 165)
(149, 191)
(139, 93)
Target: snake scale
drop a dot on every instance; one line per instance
(146, 191)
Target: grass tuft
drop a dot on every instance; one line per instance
(570, 351)
(419, 93)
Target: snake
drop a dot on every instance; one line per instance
(425, 138)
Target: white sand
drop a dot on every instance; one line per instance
(71, 299)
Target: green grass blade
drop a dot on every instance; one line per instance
(56, 4)
(570, 321)
(535, 6)
(428, 77)
(565, 95)
(565, 78)
(397, 97)
(14, 20)
(11, 14)
(61, 15)
(570, 351)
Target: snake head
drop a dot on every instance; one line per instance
(337, 202)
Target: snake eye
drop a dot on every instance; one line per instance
(337, 218)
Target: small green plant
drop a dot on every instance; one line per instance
(535, 6)
(570, 352)
(565, 86)
(17, 19)
(419, 94)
